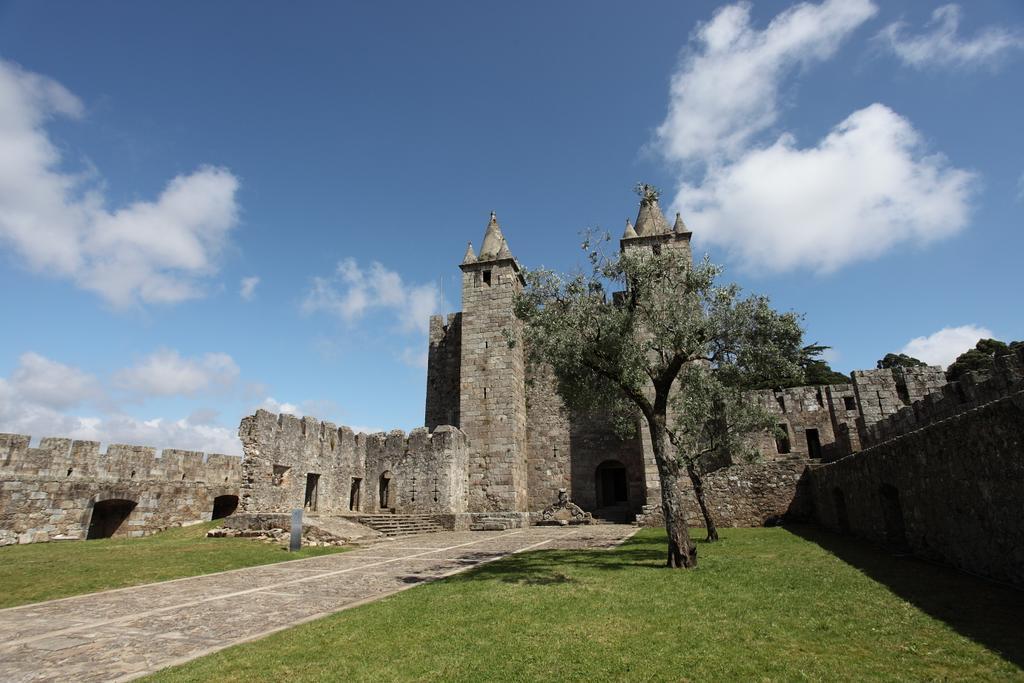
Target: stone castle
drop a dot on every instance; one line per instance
(883, 456)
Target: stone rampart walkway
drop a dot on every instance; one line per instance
(126, 633)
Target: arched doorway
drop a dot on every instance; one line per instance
(842, 517)
(386, 495)
(224, 506)
(892, 515)
(612, 486)
(108, 516)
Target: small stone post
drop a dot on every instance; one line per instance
(295, 543)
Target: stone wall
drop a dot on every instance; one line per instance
(304, 463)
(943, 478)
(548, 441)
(811, 418)
(52, 492)
(444, 358)
(881, 393)
(566, 448)
(748, 495)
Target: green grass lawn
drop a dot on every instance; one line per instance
(765, 604)
(43, 571)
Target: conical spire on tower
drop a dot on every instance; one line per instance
(630, 232)
(649, 219)
(504, 252)
(469, 257)
(679, 226)
(494, 246)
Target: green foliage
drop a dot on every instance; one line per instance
(979, 358)
(648, 193)
(766, 605)
(901, 360)
(44, 571)
(813, 371)
(671, 326)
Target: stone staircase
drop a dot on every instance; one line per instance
(400, 525)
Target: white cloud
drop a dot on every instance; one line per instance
(149, 251)
(865, 188)
(31, 403)
(274, 406)
(359, 429)
(48, 383)
(941, 46)
(352, 291)
(166, 373)
(942, 347)
(248, 287)
(868, 186)
(726, 89)
(160, 433)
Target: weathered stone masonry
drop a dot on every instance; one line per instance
(67, 489)
(943, 477)
(304, 463)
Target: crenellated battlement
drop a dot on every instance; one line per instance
(67, 459)
(70, 489)
(328, 438)
(973, 390)
(304, 462)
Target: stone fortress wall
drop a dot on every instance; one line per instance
(819, 424)
(65, 489)
(942, 477)
(295, 463)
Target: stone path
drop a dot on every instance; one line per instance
(126, 633)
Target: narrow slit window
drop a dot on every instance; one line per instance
(782, 439)
(487, 278)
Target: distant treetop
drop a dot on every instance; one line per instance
(981, 357)
(899, 360)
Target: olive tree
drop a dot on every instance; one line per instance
(655, 338)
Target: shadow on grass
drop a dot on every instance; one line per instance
(546, 567)
(985, 612)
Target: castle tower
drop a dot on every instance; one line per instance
(492, 391)
(652, 230)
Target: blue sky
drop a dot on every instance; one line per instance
(210, 207)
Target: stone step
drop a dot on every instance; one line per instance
(400, 525)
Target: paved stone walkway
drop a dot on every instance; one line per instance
(126, 633)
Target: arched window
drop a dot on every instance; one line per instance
(892, 515)
(842, 519)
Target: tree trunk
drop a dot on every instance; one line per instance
(682, 553)
(698, 491)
